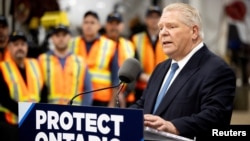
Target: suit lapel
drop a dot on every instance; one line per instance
(188, 71)
(154, 92)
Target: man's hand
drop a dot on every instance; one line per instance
(160, 124)
(144, 77)
(122, 100)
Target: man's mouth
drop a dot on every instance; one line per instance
(166, 42)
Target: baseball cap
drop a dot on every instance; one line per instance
(3, 21)
(114, 16)
(17, 35)
(59, 28)
(91, 13)
(153, 9)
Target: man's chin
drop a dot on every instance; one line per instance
(20, 59)
(61, 48)
(20, 56)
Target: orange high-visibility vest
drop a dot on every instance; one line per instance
(148, 57)
(63, 83)
(126, 50)
(98, 60)
(19, 90)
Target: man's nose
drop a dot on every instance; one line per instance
(164, 32)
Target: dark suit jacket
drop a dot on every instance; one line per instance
(199, 99)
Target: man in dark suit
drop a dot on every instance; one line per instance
(200, 94)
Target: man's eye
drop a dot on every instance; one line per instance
(172, 26)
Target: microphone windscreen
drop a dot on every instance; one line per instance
(129, 70)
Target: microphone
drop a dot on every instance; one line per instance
(127, 73)
(129, 70)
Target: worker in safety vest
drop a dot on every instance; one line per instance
(113, 29)
(148, 48)
(101, 55)
(4, 35)
(65, 74)
(20, 81)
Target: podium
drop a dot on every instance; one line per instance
(151, 134)
(51, 122)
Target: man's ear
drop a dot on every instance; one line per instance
(195, 32)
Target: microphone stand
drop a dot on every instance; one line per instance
(117, 96)
(71, 101)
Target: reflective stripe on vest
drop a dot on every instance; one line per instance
(103, 75)
(126, 50)
(74, 44)
(39, 85)
(14, 89)
(140, 47)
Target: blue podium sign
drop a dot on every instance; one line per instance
(50, 122)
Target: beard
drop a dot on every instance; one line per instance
(61, 47)
(114, 31)
(113, 34)
(20, 55)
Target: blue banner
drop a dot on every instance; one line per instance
(50, 122)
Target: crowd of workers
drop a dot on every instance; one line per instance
(76, 64)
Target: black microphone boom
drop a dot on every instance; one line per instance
(127, 73)
(83, 93)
